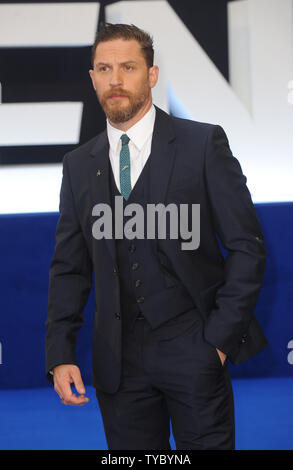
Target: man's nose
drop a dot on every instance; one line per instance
(116, 78)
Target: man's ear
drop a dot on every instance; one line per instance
(153, 75)
(91, 73)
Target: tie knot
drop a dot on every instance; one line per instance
(125, 139)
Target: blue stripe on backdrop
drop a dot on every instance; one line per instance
(27, 245)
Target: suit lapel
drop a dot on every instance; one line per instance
(99, 177)
(162, 157)
(161, 164)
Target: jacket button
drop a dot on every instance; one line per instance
(138, 283)
(135, 266)
(140, 300)
(243, 340)
(132, 248)
(117, 315)
(115, 271)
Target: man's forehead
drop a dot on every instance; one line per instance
(124, 49)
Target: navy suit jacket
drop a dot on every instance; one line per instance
(191, 163)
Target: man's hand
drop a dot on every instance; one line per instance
(64, 375)
(222, 356)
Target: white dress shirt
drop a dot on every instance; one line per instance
(140, 135)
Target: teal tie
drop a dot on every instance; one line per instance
(125, 183)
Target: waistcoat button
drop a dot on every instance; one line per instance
(138, 283)
(132, 248)
(135, 266)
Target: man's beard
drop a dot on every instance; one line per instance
(118, 113)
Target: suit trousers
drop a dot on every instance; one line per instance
(168, 374)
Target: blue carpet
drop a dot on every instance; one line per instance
(36, 419)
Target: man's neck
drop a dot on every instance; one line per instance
(124, 126)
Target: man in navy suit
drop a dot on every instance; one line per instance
(167, 319)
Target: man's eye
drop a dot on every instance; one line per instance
(128, 67)
(103, 68)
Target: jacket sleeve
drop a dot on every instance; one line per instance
(240, 233)
(70, 280)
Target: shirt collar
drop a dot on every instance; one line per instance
(138, 133)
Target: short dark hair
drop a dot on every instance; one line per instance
(109, 31)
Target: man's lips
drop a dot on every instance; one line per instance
(115, 97)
